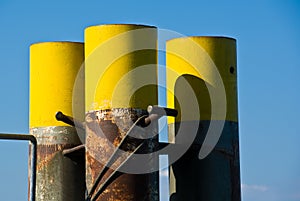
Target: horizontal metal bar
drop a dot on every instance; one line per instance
(74, 149)
(69, 120)
(162, 111)
(5, 136)
(32, 139)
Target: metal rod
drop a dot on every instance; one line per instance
(74, 149)
(162, 111)
(33, 141)
(156, 112)
(69, 120)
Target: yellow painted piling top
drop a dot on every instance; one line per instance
(120, 66)
(209, 65)
(53, 70)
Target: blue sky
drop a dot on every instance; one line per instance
(267, 34)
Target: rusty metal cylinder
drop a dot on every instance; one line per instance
(121, 77)
(203, 73)
(53, 70)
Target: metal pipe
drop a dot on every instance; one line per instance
(162, 111)
(64, 118)
(32, 139)
(74, 149)
(69, 120)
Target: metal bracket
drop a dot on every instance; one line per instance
(33, 141)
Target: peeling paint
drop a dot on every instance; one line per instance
(58, 177)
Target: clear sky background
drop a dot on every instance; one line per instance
(268, 39)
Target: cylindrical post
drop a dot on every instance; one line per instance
(209, 170)
(53, 70)
(121, 77)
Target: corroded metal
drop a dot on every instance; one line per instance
(119, 158)
(217, 177)
(105, 130)
(59, 178)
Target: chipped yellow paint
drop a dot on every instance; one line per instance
(53, 70)
(208, 64)
(120, 66)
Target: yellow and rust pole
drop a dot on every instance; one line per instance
(53, 70)
(121, 77)
(209, 170)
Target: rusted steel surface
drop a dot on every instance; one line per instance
(59, 178)
(216, 177)
(105, 129)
